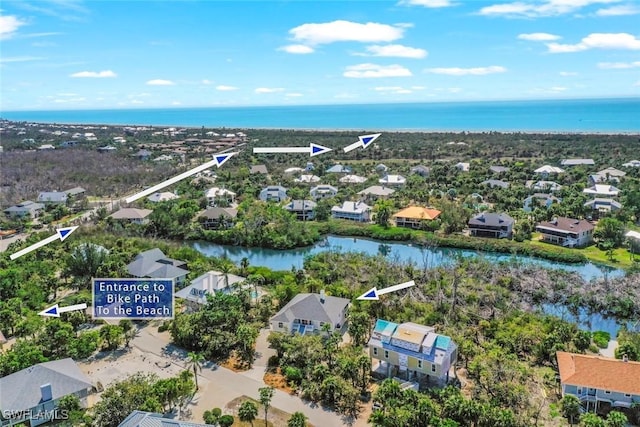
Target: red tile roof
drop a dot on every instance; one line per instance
(599, 372)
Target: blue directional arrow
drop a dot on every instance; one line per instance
(53, 311)
(221, 159)
(367, 140)
(374, 293)
(363, 142)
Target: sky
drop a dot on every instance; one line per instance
(73, 54)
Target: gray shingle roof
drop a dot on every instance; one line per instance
(147, 264)
(308, 306)
(149, 419)
(216, 213)
(52, 196)
(491, 219)
(299, 205)
(258, 169)
(21, 390)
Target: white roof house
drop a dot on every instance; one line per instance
(307, 179)
(577, 162)
(352, 179)
(544, 185)
(323, 191)
(392, 180)
(462, 166)
(602, 190)
(377, 190)
(632, 164)
(293, 170)
(208, 284)
(547, 169)
(612, 172)
(218, 192)
(162, 197)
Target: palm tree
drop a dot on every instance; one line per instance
(248, 411)
(298, 419)
(266, 394)
(570, 407)
(226, 269)
(195, 363)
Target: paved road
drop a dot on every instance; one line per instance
(227, 385)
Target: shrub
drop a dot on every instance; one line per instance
(601, 338)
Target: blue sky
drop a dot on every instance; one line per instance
(71, 54)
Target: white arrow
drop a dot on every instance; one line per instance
(363, 141)
(218, 160)
(373, 293)
(312, 149)
(54, 311)
(61, 233)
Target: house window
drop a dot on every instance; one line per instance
(375, 351)
(386, 354)
(627, 395)
(433, 368)
(419, 364)
(279, 324)
(607, 392)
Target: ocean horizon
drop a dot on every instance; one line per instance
(618, 115)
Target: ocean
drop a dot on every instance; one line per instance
(575, 116)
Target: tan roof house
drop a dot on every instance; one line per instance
(415, 216)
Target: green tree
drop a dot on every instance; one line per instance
(248, 412)
(570, 407)
(266, 394)
(616, 419)
(212, 416)
(225, 421)
(383, 210)
(297, 419)
(194, 363)
(609, 230)
(111, 336)
(591, 420)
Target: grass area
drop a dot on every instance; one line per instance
(621, 257)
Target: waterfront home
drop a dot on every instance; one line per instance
(26, 208)
(353, 211)
(155, 264)
(462, 166)
(195, 295)
(151, 419)
(577, 162)
(53, 197)
(547, 170)
(541, 200)
(216, 218)
(339, 169)
(273, 193)
(490, 224)
(375, 192)
(307, 179)
(493, 183)
(421, 170)
(543, 185)
(602, 190)
(566, 232)
(162, 197)
(323, 191)
(303, 209)
(412, 352)
(261, 169)
(598, 381)
(392, 180)
(307, 313)
(602, 206)
(31, 396)
(352, 179)
(415, 216)
(217, 195)
(132, 215)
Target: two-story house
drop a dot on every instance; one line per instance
(209, 283)
(577, 162)
(566, 232)
(490, 224)
(307, 313)
(376, 192)
(155, 264)
(392, 180)
(602, 190)
(412, 352)
(303, 209)
(53, 197)
(323, 191)
(353, 211)
(273, 193)
(26, 208)
(541, 200)
(547, 170)
(597, 380)
(216, 218)
(132, 215)
(219, 196)
(352, 179)
(415, 216)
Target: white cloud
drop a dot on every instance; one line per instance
(393, 89)
(137, 102)
(522, 9)
(364, 71)
(618, 65)
(206, 82)
(428, 3)
(94, 74)
(394, 50)
(343, 31)
(623, 41)
(9, 59)
(620, 10)
(293, 95)
(539, 37)
(176, 103)
(9, 25)
(225, 88)
(269, 89)
(568, 73)
(636, 84)
(558, 88)
(476, 71)
(297, 49)
(160, 82)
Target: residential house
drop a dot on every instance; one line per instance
(543, 186)
(375, 192)
(307, 179)
(602, 190)
(323, 191)
(498, 169)
(339, 169)
(31, 396)
(261, 169)
(421, 170)
(597, 380)
(577, 162)
(132, 215)
(162, 197)
(632, 164)
(353, 211)
(46, 147)
(273, 193)
(75, 193)
(602, 206)
(606, 175)
(25, 208)
(53, 197)
(303, 209)
(541, 200)
(211, 282)
(107, 149)
(412, 352)
(310, 167)
(490, 224)
(294, 170)
(566, 232)
(415, 216)
(155, 264)
(462, 166)
(382, 168)
(493, 183)
(308, 313)
(163, 158)
(393, 180)
(216, 218)
(143, 154)
(547, 170)
(352, 179)
(216, 196)
(151, 419)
